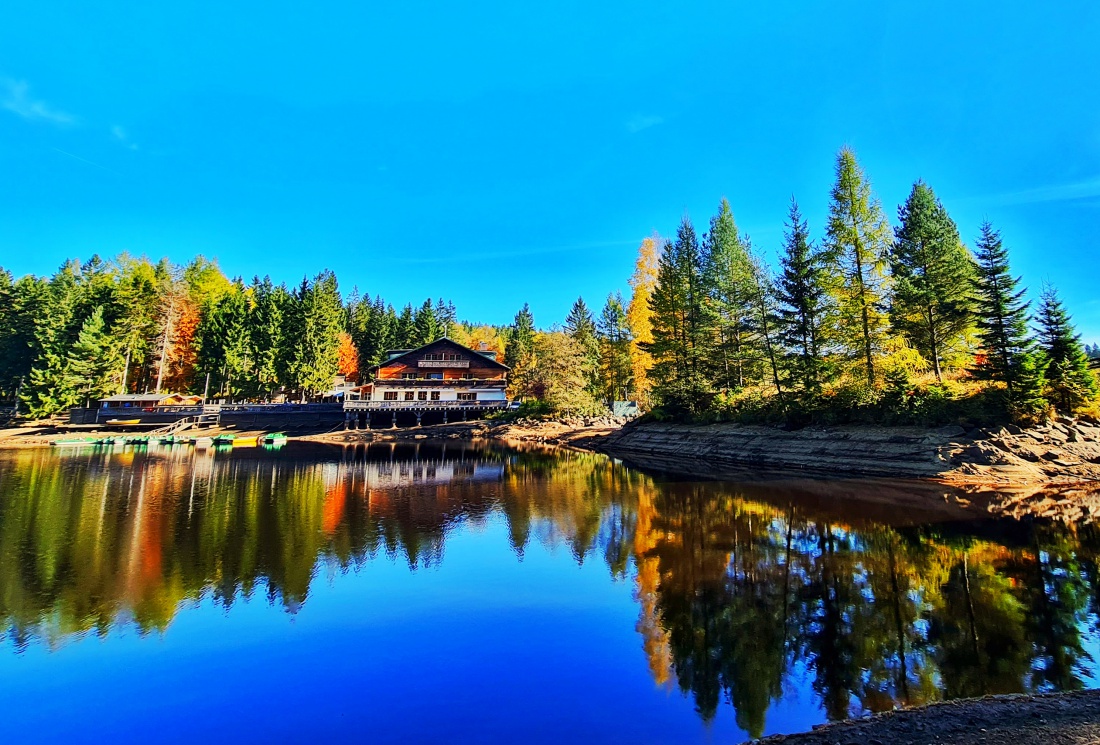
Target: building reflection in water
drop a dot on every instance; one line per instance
(742, 591)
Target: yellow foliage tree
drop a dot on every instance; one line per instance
(638, 313)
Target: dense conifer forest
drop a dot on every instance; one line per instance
(858, 321)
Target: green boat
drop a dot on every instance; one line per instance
(273, 438)
(223, 440)
(74, 442)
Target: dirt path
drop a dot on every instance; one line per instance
(1054, 719)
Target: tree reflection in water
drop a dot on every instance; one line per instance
(742, 591)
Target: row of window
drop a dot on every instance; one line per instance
(432, 376)
(424, 396)
(443, 356)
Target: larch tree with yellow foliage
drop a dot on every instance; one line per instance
(639, 314)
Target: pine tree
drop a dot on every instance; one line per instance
(681, 334)
(446, 316)
(803, 297)
(730, 287)
(858, 243)
(1070, 383)
(580, 325)
(764, 319)
(933, 278)
(266, 330)
(317, 353)
(47, 389)
(93, 366)
(425, 325)
(615, 344)
(1001, 314)
(19, 347)
(404, 333)
(520, 338)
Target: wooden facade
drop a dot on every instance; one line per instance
(442, 376)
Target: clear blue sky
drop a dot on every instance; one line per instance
(501, 152)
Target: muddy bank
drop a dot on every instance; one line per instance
(1053, 719)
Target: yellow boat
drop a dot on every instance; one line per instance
(249, 441)
(122, 422)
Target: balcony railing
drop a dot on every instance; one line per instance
(413, 405)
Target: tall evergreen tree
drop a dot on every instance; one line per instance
(681, 332)
(19, 349)
(316, 359)
(446, 316)
(1001, 314)
(520, 338)
(404, 333)
(266, 331)
(47, 389)
(580, 325)
(858, 243)
(93, 366)
(764, 319)
(1070, 383)
(730, 287)
(803, 297)
(933, 278)
(615, 345)
(425, 325)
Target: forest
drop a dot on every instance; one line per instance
(868, 322)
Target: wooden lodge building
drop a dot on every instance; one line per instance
(442, 379)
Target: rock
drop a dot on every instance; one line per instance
(1012, 429)
(951, 430)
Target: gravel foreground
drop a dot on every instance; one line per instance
(1048, 719)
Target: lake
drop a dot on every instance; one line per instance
(424, 592)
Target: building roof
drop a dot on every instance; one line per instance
(450, 342)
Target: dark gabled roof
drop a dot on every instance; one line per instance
(451, 342)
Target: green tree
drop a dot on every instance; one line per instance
(1070, 382)
(933, 279)
(316, 356)
(24, 304)
(1001, 314)
(266, 332)
(93, 366)
(764, 320)
(446, 316)
(615, 345)
(552, 373)
(521, 337)
(681, 332)
(730, 286)
(404, 333)
(426, 327)
(47, 388)
(804, 302)
(580, 325)
(858, 244)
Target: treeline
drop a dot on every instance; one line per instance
(129, 325)
(894, 324)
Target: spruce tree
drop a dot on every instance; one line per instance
(764, 320)
(425, 325)
(317, 350)
(1001, 314)
(933, 278)
(580, 325)
(681, 333)
(858, 243)
(728, 276)
(93, 366)
(19, 347)
(521, 337)
(266, 333)
(615, 345)
(1070, 383)
(803, 299)
(446, 316)
(47, 389)
(404, 333)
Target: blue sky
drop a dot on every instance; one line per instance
(505, 153)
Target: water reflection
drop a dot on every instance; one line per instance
(743, 593)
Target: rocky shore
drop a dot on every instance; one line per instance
(1063, 452)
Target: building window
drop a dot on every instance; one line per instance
(408, 395)
(389, 396)
(421, 395)
(408, 376)
(435, 395)
(467, 397)
(434, 376)
(468, 376)
(443, 357)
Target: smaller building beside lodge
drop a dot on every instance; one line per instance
(443, 376)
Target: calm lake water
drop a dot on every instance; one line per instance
(409, 593)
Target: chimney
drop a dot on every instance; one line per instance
(482, 346)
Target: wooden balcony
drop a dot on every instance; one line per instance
(424, 405)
